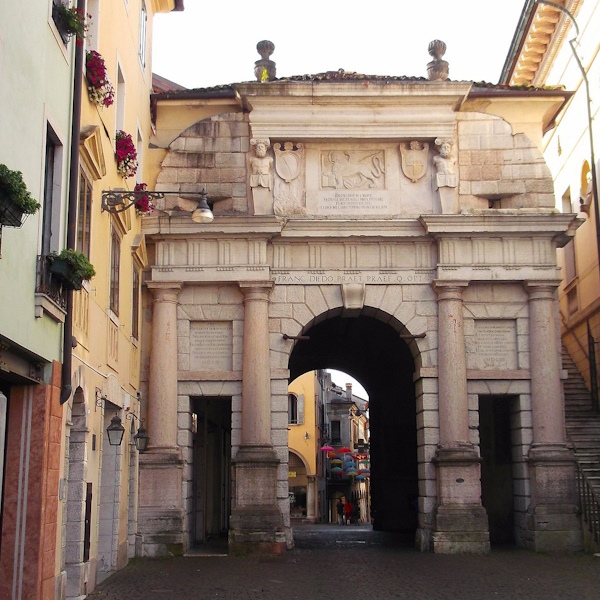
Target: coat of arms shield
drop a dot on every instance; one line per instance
(414, 159)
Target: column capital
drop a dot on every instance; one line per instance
(256, 290)
(165, 291)
(449, 290)
(542, 290)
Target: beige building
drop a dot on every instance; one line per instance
(557, 44)
(402, 230)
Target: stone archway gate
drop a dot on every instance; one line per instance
(333, 199)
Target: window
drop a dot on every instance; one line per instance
(143, 33)
(115, 263)
(84, 213)
(139, 148)
(292, 409)
(120, 100)
(52, 193)
(570, 264)
(336, 434)
(135, 304)
(572, 302)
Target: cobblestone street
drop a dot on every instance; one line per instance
(353, 562)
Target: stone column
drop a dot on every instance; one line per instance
(311, 500)
(256, 523)
(553, 520)
(162, 388)
(161, 511)
(461, 522)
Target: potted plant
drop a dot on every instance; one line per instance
(100, 89)
(69, 21)
(143, 202)
(71, 268)
(15, 199)
(126, 155)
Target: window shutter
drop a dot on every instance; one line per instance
(300, 409)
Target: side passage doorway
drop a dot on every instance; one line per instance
(497, 466)
(212, 467)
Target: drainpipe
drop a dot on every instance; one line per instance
(66, 390)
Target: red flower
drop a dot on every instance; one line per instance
(143, 202)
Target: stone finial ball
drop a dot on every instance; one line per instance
(437, 49)
(265, 49)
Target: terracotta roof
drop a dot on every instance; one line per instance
(342, 75)
(228, 90)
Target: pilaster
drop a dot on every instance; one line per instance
(160, 515)
(553, 522)
(256, 524)
(460, 523)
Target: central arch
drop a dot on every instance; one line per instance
(375, 353)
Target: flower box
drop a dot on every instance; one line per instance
(15, 199)
(11, 215)
(63, 270)
(125, 154)
(69, 21)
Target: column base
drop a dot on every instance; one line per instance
(553, 522)
(460, 523)
(461, 529)
(256, 523)
(160, 513)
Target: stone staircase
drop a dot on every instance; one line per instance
(583, 434)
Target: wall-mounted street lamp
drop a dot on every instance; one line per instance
(117, 201)
(115, 432)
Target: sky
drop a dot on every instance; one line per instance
(214, 43)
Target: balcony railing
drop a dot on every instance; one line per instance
(48, 285)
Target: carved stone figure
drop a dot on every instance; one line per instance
(414, 160)
(261, 165)
(342, 169)
(446, 179)
(445, 164)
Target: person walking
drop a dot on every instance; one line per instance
(348, 510)
(340, 511)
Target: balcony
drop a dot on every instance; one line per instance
(50, 294)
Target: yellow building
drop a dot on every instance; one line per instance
(303, 440)
(99, 514)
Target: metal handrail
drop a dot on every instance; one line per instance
(590, 505)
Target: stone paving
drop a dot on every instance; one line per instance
(353, 562)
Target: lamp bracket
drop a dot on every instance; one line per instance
(117, 201)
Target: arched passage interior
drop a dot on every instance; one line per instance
(372, 351)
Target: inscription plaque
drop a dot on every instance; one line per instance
(211, 345)
(496, 341)
(349, 202)
(323, 277)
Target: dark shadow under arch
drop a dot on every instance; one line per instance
(372, 351)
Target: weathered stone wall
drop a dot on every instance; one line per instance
(492, 164)
(211, 154)
(495, 164)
